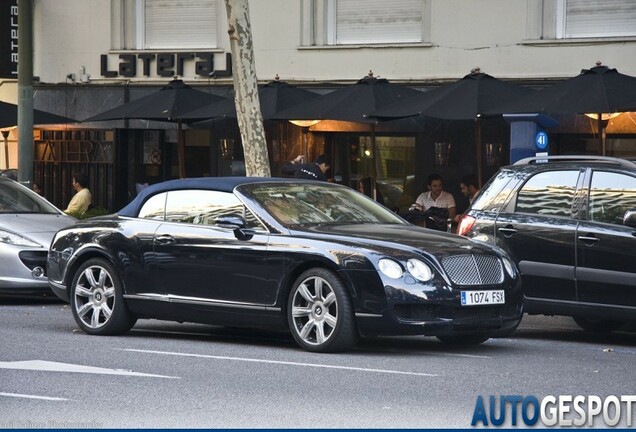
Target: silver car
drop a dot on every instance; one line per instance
(27, 225)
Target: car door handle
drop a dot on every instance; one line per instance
(588, 239)
(507, 231)
(164, 239)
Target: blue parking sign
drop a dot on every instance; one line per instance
(541, 140)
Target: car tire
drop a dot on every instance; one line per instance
(470, 339)
(320, 314)
(597, 325)
(97, 299)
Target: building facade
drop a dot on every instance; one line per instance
(93, 55)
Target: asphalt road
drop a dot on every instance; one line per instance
(168, 375)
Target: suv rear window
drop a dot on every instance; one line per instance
(611, 195)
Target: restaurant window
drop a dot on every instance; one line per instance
(589, 19)
(394, 161)
(165, 24)
(356, 22)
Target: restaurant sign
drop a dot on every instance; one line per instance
(164, 64)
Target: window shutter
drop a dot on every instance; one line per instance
(378, 21)
(171, 24)
(593, 18)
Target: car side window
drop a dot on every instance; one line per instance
(16, 199)
(202, 207)
(611, 194)
(495, 192)
(154, 207)
(548, 193)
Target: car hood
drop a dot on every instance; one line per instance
(38, 227)
(405, 237)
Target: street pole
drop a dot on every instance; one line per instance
(25, 92)
(248, 108)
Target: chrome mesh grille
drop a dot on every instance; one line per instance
(474, 269)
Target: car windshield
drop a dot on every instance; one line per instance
(295, 204)
(15, 198)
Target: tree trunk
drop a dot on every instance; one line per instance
(248, 108)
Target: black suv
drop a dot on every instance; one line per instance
(570, 223)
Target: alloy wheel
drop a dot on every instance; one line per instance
(314, 310)
(94, 295)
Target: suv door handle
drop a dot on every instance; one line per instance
(164, 239)
(507, 230)
(591, 239)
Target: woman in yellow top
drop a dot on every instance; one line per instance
(82, 199)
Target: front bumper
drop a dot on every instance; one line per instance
(437, 311)
(23, 271)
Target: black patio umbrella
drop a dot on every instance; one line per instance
(600, 91)
(274, 97)
(9, 116)
(171, 103)
(350, 104)
(473, 97)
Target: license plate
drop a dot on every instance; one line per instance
(472, 298)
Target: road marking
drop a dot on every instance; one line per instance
(42, 365)
(171, 332)
(208, 335)
(462, 355)
(243, 359)
(24, 396)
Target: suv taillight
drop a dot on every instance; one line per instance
(465, 225)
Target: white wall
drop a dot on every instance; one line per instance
(68, 34)
(464, 34)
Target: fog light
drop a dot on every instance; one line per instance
(37, 272)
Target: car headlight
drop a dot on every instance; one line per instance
(15, 239)
(390, 268)
(419, 270)
(509, 266)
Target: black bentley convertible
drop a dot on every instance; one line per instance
(319, 259)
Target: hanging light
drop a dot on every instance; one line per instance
(604, 116)
(304, 123)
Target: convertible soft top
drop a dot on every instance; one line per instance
(223, 184)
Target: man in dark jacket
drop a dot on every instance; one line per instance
(311, 171)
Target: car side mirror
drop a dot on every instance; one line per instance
(629, 218)
(237, 223)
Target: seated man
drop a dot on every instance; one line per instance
(436, 198)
